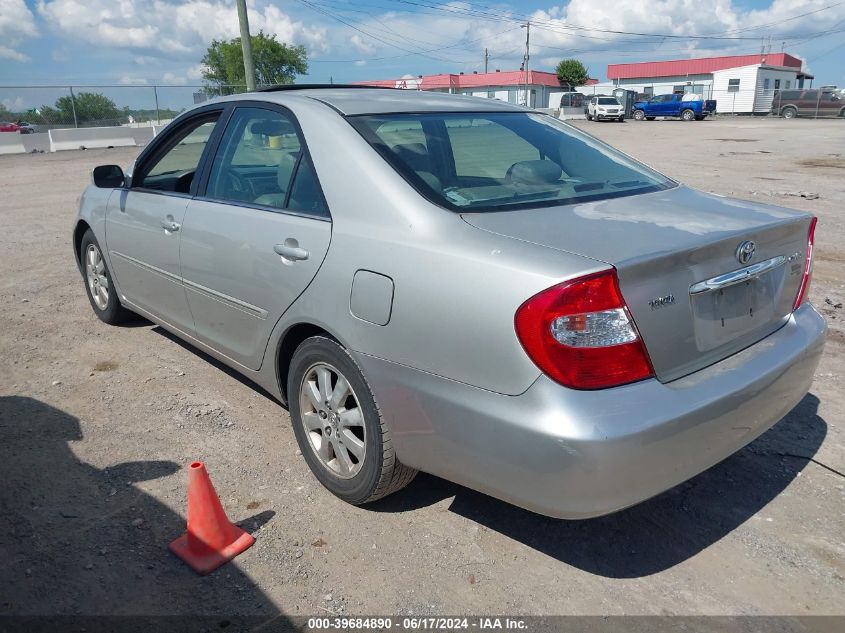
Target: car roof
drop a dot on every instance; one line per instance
(365, 100)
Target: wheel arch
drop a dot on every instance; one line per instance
(78, 232)
(289, 341)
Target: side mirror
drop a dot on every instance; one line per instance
(108, 177)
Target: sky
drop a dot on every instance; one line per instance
(144, 42)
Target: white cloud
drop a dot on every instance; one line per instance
(166, 36)
(578, 29)
(365, 47)
(13, 105)
(166, 27)
(129, 80)
(16, 25)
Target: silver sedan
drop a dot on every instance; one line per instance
(460, 286)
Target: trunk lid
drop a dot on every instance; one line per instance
(665, 246)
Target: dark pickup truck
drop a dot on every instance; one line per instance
(673, 105)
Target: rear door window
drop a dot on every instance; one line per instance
(262, 161)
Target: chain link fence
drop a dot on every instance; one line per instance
(50, 107)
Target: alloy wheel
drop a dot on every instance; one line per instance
(95, 272)
(333, 420)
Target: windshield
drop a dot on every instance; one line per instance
(503, 160)
(608, 101)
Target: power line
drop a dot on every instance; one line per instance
(370, 35)
(567, 27)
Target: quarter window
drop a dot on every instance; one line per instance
(261, 161)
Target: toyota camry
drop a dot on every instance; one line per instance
(460, 286)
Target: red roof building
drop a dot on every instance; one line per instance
(699, 66)
(461, 81)
(507, 85)
(740, 84)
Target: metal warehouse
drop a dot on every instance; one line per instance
(742, 84)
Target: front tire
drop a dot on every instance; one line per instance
(639, 115)
(789, 112)
(338, 425)
(98, 282)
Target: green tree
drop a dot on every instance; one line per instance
(89, 107)
(572, 73)
(275, 62)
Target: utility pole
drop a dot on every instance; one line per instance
(526, 58)
(73, 106)
(246, 46)
(486, 57)
(158, 112)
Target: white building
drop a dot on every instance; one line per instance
(742, 84)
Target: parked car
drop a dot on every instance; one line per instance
(605, 108)
(828, 102)
(674, 105)
(460, 286)
(6, 126)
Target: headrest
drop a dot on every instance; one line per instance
(415, 155)
(534, 172)
(285, 169)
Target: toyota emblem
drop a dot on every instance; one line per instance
(745, 251)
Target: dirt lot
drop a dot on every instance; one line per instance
(97, 426)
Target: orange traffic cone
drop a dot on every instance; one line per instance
(211, 539)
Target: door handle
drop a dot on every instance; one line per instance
(169, 224)
(291, 250)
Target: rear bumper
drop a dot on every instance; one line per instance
(577, 454)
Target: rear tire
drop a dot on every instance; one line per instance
(688, 115)
(339, 428)
(789, 112)
(98, 282)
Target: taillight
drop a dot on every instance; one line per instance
(581, 334)
(808, 266)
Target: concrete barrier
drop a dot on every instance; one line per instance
(38, 142)
(142, 135)
(90, 138)
(11, 143)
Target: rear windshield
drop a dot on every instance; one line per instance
(499, 161)
(608, 101)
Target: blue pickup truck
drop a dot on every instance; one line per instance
(673, 105)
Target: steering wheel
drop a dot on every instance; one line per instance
(239, 186)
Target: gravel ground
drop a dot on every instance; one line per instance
(98, 424)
